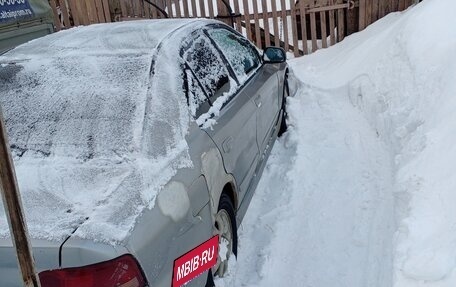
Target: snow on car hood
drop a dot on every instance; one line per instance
(93, 139)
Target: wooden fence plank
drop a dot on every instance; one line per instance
(130, 10)
(267, 34)
(294, 28)
(368, 12)
(332, 27)
(136, 8)
(100, 12)
(313, 29)
(352, 19)
(85, 12)
(123, 8)
(96, 15)
(74, 12)
(324, 36)
(146, 7)
(385, 6)
(302, 13)
(257, 24)
(401, 5)
(57, 24)
(362, 14)
(340, 24)
(284, 18)
(186, 12)
(153, 11)
(82, 10)
(65, 14)
(169, 8)
(381, 8)
(92, 11)
(107, 13)
(389, 6)
(247, 20)
(394, 5)
(275, 23)
(374, 14)
(237, 20)
(78, 13)
(178, 8)
(211, 9)
(202, 8)
(194, 14)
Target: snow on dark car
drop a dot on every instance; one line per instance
(138, 145)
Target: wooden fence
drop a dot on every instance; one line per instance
(299, 26)
(372, 10)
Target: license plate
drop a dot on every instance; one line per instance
(195, 262)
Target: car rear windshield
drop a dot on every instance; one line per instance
(81, 107)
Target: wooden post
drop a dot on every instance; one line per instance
(362, 15)
(353, 20)
(57, 24)
(13, 209)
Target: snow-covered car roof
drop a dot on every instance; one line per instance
(85, 122)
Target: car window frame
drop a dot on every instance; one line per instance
(205, 32)
(184, 48)
(247, 41)
(186, 45)
(185, 67)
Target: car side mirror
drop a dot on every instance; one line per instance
(274, 55)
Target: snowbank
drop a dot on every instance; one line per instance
(400, 73)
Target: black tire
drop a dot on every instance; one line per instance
(283, 122)
(226, 205)
(210, 279)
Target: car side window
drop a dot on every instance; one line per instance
(198, 101)
(207, 66)
(241, 55)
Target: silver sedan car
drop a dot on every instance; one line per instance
(138, 147)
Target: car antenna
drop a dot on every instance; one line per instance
(158, 8)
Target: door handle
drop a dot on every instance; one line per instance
(257, 101)
(227, 144)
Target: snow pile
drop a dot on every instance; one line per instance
(94, 139)
(400, 73)
(361, 192)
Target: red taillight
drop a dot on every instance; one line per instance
(123, 271)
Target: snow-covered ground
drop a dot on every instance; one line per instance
(361, 191)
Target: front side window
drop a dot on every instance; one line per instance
(242, 57)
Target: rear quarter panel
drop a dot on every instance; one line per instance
(158, 239)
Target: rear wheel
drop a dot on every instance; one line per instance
(225, 227)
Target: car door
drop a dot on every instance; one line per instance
(267, 94)
(259, 82)
(230, 119)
